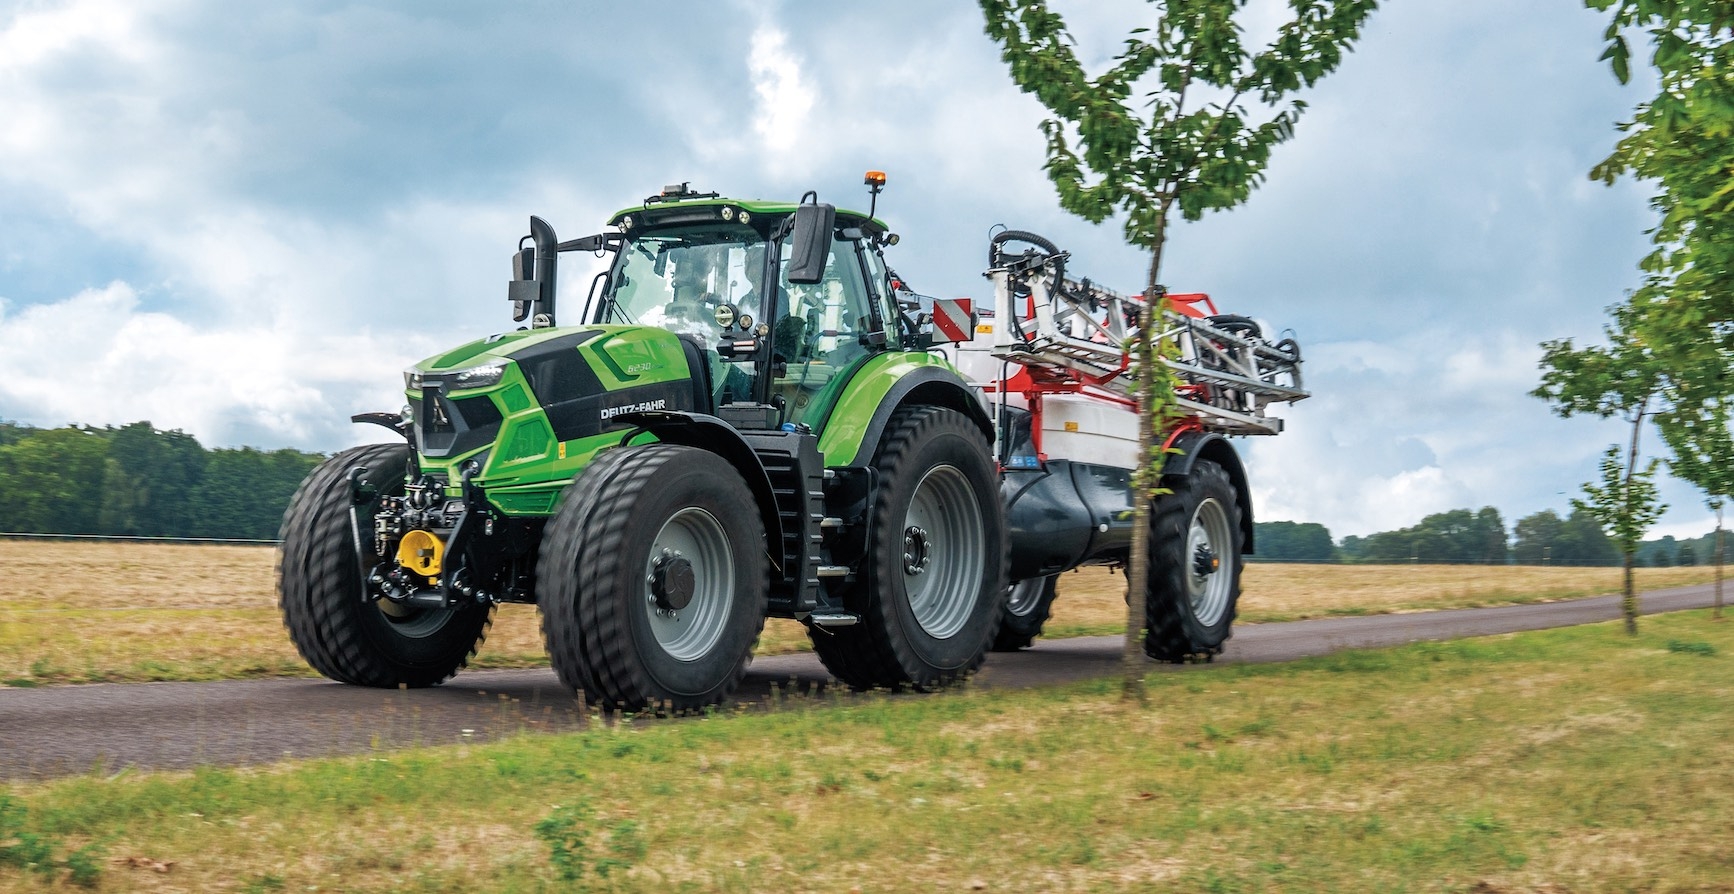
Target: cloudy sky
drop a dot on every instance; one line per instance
(243, 220)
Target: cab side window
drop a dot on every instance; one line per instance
(823, 322)
(819, 329)
(879, 287)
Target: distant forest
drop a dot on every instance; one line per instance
(138, 481)
(1466, 537)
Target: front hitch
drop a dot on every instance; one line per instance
(392, 581)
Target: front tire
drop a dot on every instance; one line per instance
(652, 579)
(1029, 604)
(931, 588)
(1195, 565)
(344, 636)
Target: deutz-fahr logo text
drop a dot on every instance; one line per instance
(611, 412)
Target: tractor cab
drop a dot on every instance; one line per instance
(698, 266)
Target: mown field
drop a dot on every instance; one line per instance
(1576, 760)
(95, 612)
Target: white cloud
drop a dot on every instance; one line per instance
(785, 96)
(98, 358)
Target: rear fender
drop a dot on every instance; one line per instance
(1195, 445)
(924, 385)
(718, 437)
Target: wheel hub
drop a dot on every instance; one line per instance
(1205, 562)
(917, 553)
(672, 582)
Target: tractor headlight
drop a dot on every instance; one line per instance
(482, 376)
(412, 379)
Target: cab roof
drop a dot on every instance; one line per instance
(664, 210)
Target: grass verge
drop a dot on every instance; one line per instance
(1575, 760)
(132, 612)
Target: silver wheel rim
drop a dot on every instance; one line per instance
(943, 552)
(1208, 552)
(691, 632)
(1025, 595)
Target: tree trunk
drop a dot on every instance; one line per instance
(1629, 601)
(1132, 661)
(1716, 613)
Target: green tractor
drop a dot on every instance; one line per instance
(741, 422)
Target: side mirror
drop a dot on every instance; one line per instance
(811, 231)
(523, 290)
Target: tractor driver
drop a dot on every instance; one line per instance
(692, 310)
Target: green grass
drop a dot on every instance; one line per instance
(1574, 760)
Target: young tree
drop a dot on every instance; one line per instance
(1679, 141)
(1624, 378)
(1208, 112)
(1626, 505)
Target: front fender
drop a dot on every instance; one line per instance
(712, 434)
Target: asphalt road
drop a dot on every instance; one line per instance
(106, 728)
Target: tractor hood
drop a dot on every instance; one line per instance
(525, 392)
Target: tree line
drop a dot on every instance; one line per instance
(1468, 537)
(136, 480)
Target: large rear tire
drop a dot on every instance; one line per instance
(339, 632)
(652, 579)
(1029, 604)
(1195, 565)
(931, 590)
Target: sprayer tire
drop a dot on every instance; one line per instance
(1195, 566)
(1029, 604)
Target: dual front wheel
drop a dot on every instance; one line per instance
(652, 579)
(337, 629)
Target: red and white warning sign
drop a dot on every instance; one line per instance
(953, 319)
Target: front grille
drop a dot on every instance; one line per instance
(447, 427)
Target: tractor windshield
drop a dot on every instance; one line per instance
(696, 281)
